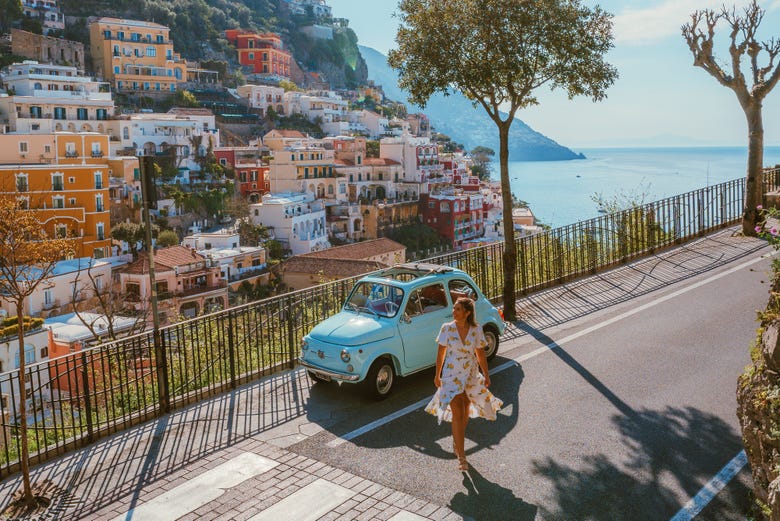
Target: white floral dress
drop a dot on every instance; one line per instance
(460, 372)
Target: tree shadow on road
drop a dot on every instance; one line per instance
(484, 499)
(667, 450)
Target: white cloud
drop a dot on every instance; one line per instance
(651, 24)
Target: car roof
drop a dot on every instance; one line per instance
(410, 273)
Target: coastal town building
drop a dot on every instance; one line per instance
(261, 98)
(237, 263)
(263, 53)
(64, 178)
(181, 134)
(47, 12)
(47, 49)
(135, 56)
(298, 220)
(318, 8)
(304, 167)
(418, 157)
(455, 215)
(71, 285)
(53, 98)
(303, 271)
(188, 284)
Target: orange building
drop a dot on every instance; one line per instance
(135, 56)
(263, 52)
(65, 178)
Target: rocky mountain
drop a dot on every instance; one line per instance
(455, 116)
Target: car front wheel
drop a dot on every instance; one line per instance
(380, 379)
(491, 349)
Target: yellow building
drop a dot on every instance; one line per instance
(65, 178)
(135, 56)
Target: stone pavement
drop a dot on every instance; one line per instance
(225, 458)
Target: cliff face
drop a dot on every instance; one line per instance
(758, 398)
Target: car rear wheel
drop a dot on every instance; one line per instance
(380, 379)
(491, 349)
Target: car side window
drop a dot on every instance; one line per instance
(432, 298)
(414, 307)
(461, 288)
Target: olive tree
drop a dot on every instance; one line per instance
(498, 53)
(764, 74)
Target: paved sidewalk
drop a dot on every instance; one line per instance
(225, 458)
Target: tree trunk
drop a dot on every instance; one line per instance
(754, 186)
(510, 248)
(24, 458)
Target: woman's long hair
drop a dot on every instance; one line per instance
(468, 305)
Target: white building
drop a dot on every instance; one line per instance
(263, 97)
(43, 98)
(71, 282)
(47, 11)
(376, 125)
(236, 262)
(419, 158)
(297, 219)
(189, 132)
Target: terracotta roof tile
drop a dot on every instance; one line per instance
(165, 259)
(358, 250)
(339, 268)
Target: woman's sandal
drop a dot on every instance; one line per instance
(462, 463)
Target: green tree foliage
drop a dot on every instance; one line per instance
(372, 148)
(417, 237)
(167, 238)
(251, 234)
(482, 157)
(743, 48)
(497, 53)
(10, 11)
(185, 98)
(131, 233)
(275, 250)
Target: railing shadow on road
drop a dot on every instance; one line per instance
(674, 442)
(572, 300)
(120, 466)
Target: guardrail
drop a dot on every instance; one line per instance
(91, 393)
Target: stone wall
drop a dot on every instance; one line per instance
(758, 409)
(46, 49)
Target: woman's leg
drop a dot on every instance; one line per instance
(459, 407)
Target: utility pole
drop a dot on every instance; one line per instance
(149, 196)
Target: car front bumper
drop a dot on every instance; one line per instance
(329, 373)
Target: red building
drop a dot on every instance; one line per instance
(251, 173)
(264, 52)
(456, 216)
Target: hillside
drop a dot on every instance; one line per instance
(197, 28)
(455, 116)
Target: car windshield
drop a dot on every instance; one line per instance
(375, 298)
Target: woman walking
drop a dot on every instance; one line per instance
(462, 391)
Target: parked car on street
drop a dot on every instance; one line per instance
(388, 326)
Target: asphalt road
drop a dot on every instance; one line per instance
(628, 415)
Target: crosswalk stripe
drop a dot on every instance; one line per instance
(307, 504)
(200, 490)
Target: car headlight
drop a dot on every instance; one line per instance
(304, 345)
(345, 357)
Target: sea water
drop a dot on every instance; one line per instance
(562, 192)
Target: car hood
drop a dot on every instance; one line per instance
(352, 329)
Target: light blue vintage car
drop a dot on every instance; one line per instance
(388, 326)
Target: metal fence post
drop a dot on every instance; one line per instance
(231, 351)
(87, 402)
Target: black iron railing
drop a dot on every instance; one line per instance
(78, 398)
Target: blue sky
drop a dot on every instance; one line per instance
(660, 97)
